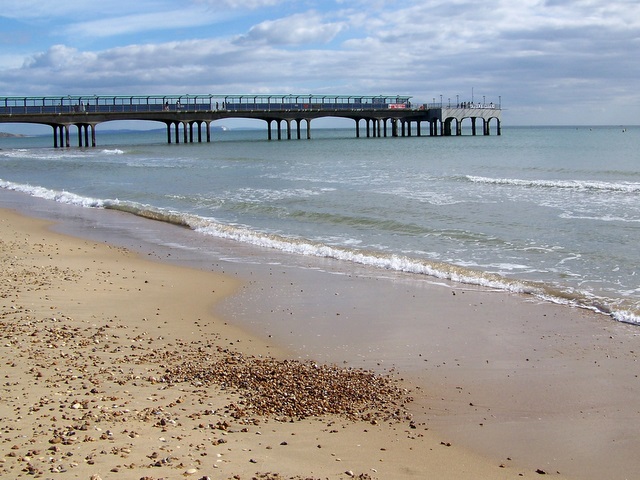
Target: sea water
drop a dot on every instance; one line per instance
(549, 211)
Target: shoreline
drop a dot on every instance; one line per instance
(553, 390)
(88, 329)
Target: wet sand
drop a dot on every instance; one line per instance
(502, 386)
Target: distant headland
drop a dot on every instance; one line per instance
(10, 135)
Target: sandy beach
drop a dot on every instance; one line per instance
(89, 332)
(115, 366)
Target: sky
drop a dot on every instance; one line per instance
(549, 62)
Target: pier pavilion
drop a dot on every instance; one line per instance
(185, 116)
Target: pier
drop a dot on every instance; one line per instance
(188, 118)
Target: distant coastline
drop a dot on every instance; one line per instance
(10, 135)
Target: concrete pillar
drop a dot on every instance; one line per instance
(357, 128)
(473, 125)
(308, 129)
(298, 128)
(184, 132)
(207, 125)
(269, 129)
(55, 136)
(66, 136)
(93, 135)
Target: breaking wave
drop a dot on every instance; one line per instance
(380, 260)
(578, 185)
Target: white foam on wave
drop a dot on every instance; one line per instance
(624, 187)
(600, 218)
(385, 261)
(60, 196)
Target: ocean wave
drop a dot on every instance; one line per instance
(60, 196)
(601, 218)
(579, 185)
(380, 260)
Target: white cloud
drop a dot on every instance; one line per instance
(142, 22)
(296, 29)
(535, 54)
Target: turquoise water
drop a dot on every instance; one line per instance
(553, 211)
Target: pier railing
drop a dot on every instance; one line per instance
(53, 105)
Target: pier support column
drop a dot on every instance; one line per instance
(394, 127)
(207, 125)
(308, 129)
(177, 132)
(184, 132)
(298, 128)
(83, 131)
(67, 143)
(499, 130)
(418, 129)
(269, 129)
(357, 128)
(473, 126)
(93, 135)
(55, 136)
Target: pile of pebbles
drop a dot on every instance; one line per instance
(297, 389)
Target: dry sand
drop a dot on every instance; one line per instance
(106, 373)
